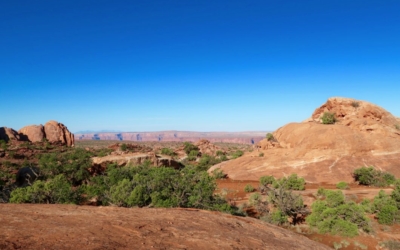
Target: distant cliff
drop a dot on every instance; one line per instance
(248, 137)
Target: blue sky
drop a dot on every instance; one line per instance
(193, 65)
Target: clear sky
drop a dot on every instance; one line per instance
(193, 65)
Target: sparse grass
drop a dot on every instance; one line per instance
(391, 244)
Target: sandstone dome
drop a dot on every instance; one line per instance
(363, 135)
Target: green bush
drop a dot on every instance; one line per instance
(189, 147)
(56, 190)
(249, 188)
(388, 214)
(270, 137)
(192, 156)
(158, 187)
(74, 165)
(328, 118)
(219, 174)
(261, 154)
(278, 217)
(396, 194)
(342, 185)
(123, 147)
(237, 154)
(206, 161)
(267, 180)
(219, 153)
(372, 177)
(293, 182)
(3, 144)
(167, 151)
(336, 216)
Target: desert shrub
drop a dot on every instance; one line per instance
(73, 165)
(387, 214)
(261, 154)
(270, 137)
(158, 187)
(249, 188)
(192, 156)
(342, 185)
(237, 154)
(355, 104)
(293, 182)
(206, 161)
(56, 190)
(123, 147)
(366, 205)
(219, 174)
(277, 217)
(328, 118)
(396, 194)
(397, 126)
(167, 151)
(267, 180)
(321, 192)
(372, 177)
(219, 153)
(334, 215)
(290, 204)
(381, 200)
(223, 158)
(189, 147)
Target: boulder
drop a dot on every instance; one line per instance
(34, 133)
(58, 133)
(8, 134)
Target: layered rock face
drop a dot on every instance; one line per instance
(364, 135)
(52, 131)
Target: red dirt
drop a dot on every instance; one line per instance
(30, 226)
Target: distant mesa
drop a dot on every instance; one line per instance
(251, 137)
(364, 134)
(52, 131)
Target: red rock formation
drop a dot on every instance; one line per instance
(364, 135)
(7, 134)
(58, 132)
(34, 133)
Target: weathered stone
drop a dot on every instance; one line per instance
(58, 133)
(34, 133)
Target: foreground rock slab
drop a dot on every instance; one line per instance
(28, 226)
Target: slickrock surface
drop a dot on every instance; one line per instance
(364, 135)
(29, 226)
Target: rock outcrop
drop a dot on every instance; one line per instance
(364, 135)
(58, 132)
(52, 131)
(34, 133)
(8, 134)
(135, 159)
